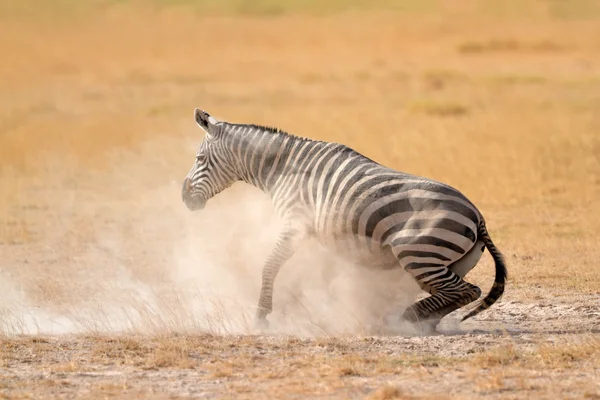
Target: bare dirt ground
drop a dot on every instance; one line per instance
(110, 287)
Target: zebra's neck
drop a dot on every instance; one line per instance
(260, 154)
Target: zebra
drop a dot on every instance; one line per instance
(373, 214)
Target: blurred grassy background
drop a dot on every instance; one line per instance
(500, 99)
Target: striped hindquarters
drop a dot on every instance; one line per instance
(416, 217)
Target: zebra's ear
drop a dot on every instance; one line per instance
(206, 122)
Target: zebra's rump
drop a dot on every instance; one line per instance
(384, 208)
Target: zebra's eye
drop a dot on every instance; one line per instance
(200, 158)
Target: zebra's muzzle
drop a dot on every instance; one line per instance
(193, 202)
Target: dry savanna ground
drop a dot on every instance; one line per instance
(110, 287)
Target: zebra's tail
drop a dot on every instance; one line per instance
(501, 273)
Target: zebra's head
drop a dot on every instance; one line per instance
(209, 174)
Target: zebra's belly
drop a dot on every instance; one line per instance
(356, 251)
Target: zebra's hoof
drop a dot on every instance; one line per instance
(427, 327)
(261, 324)
(424, 325)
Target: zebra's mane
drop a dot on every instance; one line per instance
(272, 129)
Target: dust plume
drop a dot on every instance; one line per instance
(120, 252)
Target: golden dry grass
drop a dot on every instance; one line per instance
(499, 99)
(248, 366)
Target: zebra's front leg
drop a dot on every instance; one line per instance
(284, 249)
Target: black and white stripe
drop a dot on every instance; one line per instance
(367, 211)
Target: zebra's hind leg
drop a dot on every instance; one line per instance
(448, 292)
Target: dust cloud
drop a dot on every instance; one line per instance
(116, 250)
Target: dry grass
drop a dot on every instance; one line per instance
(303, 368)
(499, 99)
